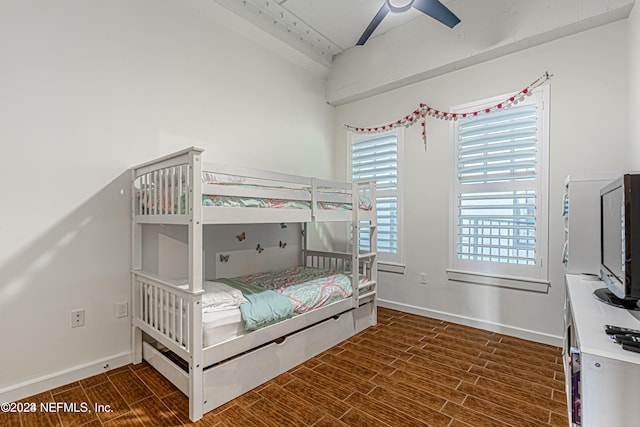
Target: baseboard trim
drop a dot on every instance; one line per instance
(58, 379)
(476, 323)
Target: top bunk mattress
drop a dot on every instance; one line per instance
(168, 195)
(297, 199)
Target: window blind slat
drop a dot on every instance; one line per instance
(375, 153)
(491, 209)
(512, 140)
(508, 127)
(382, 171)
(499, 154)
(381, 163)
(514, 114)
(508, 195)
(508, 168)
(375, 141)
(497, 177)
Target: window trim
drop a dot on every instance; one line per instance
(395, 262)
(461, 271)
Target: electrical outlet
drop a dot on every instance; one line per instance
(423, 278)
(122, 309)
(77, 318)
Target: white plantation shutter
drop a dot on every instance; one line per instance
(498, 147)
(377, 158)
(499, 224)
(497, 227)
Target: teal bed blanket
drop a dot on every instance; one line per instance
(264, 307)
(279, 295)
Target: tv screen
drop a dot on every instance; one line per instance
(612, 237)
(620, 242)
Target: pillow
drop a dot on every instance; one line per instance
(219, 296)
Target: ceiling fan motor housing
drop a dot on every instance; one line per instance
(399, 5)
(433, 8)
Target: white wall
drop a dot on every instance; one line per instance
(633, 145)
(166, 249)
(90, 88)
(588, 131)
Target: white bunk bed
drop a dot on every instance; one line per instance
(167, 317)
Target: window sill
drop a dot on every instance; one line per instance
(391, 267)
(521, 283)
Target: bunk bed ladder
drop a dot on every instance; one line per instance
(364, 263)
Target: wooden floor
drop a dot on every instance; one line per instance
(406, 371)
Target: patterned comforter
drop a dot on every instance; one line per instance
(176, 203)
(278, 295)
(251, 202)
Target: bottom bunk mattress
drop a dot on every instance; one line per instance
(221, 326)
(235, 306)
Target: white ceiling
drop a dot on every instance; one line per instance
(343, 21)
(322, 29)
(414, 45)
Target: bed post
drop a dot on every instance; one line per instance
(355, 256)
(374, 248)
(314, 201)
(196, 386)
(305, 261)
(136, 264)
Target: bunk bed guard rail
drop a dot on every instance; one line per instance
(165, 311)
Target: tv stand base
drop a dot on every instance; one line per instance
(606, 296)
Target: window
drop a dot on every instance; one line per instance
(379, 158)
(499, 193)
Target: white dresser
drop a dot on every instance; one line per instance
(604, 377)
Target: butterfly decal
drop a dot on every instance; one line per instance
(283, 244)
(241, 237)
(259, 248)
(283, 225)
(224, 258)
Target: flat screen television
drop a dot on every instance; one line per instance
(620, 242)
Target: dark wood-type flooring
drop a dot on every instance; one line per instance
(406, 371)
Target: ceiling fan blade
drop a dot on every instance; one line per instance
(437, 11)
(384, 10)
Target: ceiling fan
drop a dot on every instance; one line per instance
(433, 8)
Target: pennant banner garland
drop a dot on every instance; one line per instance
(425, 110)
